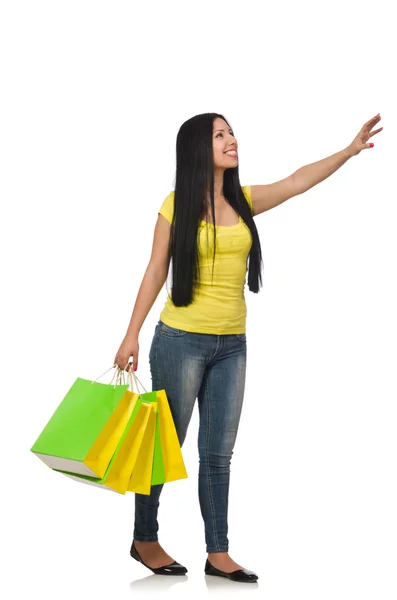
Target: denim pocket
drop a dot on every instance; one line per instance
(241, 337)
(170, 331)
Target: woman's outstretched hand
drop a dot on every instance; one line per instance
(360, 141)
(128, 348)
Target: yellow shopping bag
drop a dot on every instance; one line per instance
(120, 471)
(141, 478)
(160, 458)
(174, 466)
(98, 458)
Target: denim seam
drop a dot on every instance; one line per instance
(145, 538)
(172, 335)
(218, 344)
(211, 500)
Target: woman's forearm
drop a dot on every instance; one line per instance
(310, 175)
(151, 285)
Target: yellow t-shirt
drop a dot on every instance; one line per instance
(219, 305)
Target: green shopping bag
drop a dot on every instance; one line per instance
(83, 433)
(137, 462)
(119, 471)
(158, 475)
(148, 452)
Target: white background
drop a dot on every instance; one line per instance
(93, 96)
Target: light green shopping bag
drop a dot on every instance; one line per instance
(123, 461)
(83, 433)
(137, 461)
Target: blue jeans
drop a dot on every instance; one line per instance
(211, 368)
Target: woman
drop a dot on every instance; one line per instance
(199, 348)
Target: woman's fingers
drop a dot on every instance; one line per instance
(135, 360)
(376, 131)
(128, 349)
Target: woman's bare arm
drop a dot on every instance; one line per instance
(152, 282)
(154, 278)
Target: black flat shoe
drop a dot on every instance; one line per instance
(172, 569)
(239, 575)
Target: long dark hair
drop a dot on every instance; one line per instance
(194, 179)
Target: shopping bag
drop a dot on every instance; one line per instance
(86, 428)
(162, 459)
(141, 478)
(123, 461)
(173, 463)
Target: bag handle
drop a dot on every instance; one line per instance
(131, 383)
(137, 381)
(131, 375)
(119, 374)
(120, 377)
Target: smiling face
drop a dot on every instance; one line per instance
(224, 145)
